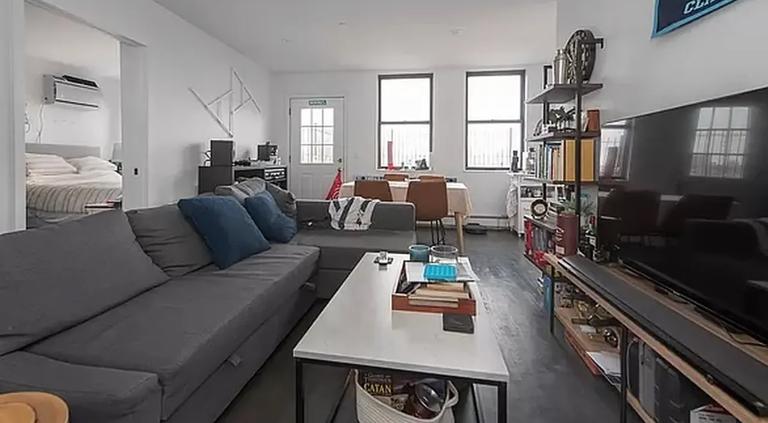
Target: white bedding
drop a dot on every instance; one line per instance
(69, 193)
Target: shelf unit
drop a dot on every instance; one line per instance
(635, 404)
(581, 342)
(565, 93)
(543, 224)
(554, 182)
(558, 137)
(739, 407)
(560, 94)
(565, 316)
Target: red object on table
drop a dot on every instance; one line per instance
(567, 235)
(390, 148)
(333, 193)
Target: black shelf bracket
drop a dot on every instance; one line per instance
(596, 42)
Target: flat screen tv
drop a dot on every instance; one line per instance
(687, 191)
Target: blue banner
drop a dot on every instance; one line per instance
(672, 14)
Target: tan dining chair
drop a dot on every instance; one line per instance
(373, 190)
(431, 201)
(396, 177)
(432, 178)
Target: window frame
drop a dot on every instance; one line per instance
(467, 122)
(383, 77)
(313, 128)
(708, 155)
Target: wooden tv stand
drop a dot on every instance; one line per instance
(561, 271)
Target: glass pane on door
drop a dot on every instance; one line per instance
(317, 130)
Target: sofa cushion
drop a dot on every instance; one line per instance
(228, 230)
(275, 225)
(93, 394)
(58, 276)
(242, 190)
(185, 329)
(285, 200)
(342, 250)
(171, 242)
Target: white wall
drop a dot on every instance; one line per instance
(57, 45)
(179, 56)
(11, 115)
(487, 189)
(720, 54)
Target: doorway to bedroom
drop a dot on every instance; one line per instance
(73, 126)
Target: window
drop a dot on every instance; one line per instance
(721, 142)
(317, 135)
(405, 120)
(494, 129)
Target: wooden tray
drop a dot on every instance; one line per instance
(401, 302)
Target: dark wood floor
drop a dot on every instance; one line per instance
(548, 382)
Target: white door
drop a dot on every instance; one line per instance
(317, 145)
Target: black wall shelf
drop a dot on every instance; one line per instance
(563, 93)
(556, 137)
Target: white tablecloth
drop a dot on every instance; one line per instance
(458, 195)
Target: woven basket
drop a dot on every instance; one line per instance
(371, 410)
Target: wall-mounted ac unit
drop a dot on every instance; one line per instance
(67, 89)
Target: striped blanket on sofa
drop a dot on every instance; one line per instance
(351, 214)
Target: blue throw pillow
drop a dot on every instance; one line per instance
(275, 225)
(226, 228)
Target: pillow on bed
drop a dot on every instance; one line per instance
(48, 164)
(92, 164)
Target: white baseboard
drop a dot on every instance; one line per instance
(494, 223)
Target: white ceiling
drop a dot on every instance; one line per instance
(60, 40)
(312, 35)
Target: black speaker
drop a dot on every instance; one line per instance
(222, 152)
(210, 177)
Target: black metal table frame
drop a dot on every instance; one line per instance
(501, 387)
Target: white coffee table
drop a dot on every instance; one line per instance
(358, 329)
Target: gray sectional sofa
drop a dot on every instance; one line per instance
(392, 229)
(124, 316)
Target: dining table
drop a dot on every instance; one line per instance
(459, 203)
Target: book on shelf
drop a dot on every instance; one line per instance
(557, 162)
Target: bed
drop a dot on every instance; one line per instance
(54, 198)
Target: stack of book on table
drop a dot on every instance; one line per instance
(439, 294)
(436, 288)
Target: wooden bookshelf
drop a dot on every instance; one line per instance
(532, 261)
(564, 315)
(545, 224)
(703, 381)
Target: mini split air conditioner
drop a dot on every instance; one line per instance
(67, 89)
